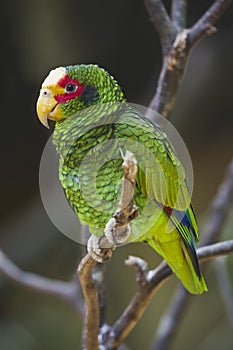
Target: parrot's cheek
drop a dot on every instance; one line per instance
(56, 113)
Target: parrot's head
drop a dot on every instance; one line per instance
(69, 89)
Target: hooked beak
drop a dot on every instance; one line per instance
(47, 107)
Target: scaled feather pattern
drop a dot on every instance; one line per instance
(94, 127)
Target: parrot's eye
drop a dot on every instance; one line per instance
(70, 88)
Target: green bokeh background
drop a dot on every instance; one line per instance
(37, 36)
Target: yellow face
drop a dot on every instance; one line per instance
(68, 89)
(47, 106)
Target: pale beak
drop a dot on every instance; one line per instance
(47, 107)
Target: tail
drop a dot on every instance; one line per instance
(178, 258)
(185, 265)
(197, 284)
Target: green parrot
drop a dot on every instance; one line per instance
(94, 127)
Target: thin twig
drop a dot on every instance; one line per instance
(171, 76)
(178, 13)
(147, 288)
(215, 250)
(162, 22)
(178, 46)
(67, 291)
(205, 25)
(135, 309)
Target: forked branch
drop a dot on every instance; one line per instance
(117, 231)
(176, 42)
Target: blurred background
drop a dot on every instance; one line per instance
(37, 36)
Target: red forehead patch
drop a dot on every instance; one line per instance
(66, 96)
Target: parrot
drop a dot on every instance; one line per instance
(94, 126)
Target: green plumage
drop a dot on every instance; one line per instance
(91, 143)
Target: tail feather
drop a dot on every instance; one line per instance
(198, 284)
(179, 251)
(176, 255)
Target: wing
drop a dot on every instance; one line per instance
(161, 175)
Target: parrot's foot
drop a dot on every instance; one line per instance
(117, 231)
(100, 248)
(117, 234)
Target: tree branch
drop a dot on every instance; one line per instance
(150, 282)
(164, 102)
(162, 22)
(98, 278)
(178, 13)
(135, 309)
(219, 208)
(91, 325)
(224, 282)
(176, 43)
(170, 319)
(118, 228)
(67, 291)
(175, 47)
(116, 231)
(205, 24)
(171, 75)
(215, 250)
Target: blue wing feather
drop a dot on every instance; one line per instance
(187, 229)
